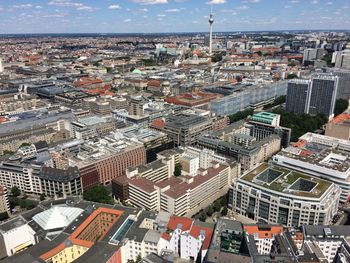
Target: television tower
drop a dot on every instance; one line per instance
(211, 21)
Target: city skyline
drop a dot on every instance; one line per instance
(161, 16)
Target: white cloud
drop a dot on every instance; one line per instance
(161, 15)
(127, 20)
(23, 6)
(315, 2)
(174, 10)
(38, 7)
(144, 10)
(216, 2)
(150, 2)
(69, 3)
(114, 7)
(243, 7)
(251, 1)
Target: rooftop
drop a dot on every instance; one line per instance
(287, 181)
(57, 217)
(320, 150)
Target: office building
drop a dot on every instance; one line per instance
(153, 141)
(320, 156)
(311, 54)
(237, 141)
(314, 96)
(323, 95)
(184, 129)
(343, 82)
(341, 59)
(49, 127)
(247, 96)
(107, 158)
(93, 126)
(60, 183)
(276, 195)
(24, 176)
(264, 124)
(4, 200)
(297, 96)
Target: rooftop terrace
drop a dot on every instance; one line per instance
(286, 181)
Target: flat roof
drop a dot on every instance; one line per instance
(284, 180)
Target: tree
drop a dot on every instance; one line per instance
(4, 216)
(42, 197)
(217, 57)
(240, 115)
(224, 211)
(15, 191)
(7, 152)
(300, 124)
(292, 76)
(98, 194)
(217, 206)
(210, 211)
(177, 170)
(24, 144)
(138, 258)
(203, 216)
(340, 106)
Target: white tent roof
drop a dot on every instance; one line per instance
(57, 217)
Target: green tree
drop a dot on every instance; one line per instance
(202, 216)
(300, 124)
(138, 258)
(4, 216)
(98, 194)
(240, 115)
(224, 211)
(15, 191)
(210, 211)
(340, 106)
(24, 144)
(42, 197)
(217, 57)
(177, 170)
(7, 152)
(217, 206)
(292, 76)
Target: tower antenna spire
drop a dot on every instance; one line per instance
(211, 21)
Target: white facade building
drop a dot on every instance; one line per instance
(15, 236)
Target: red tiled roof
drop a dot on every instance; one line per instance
(176, 220)
(208, 232)
(158, 123)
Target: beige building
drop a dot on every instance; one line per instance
(4, 200)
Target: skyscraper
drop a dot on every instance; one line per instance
(297, 95)
(211, 21)
(323, 94)
(313, 96)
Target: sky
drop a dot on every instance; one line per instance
(150, 16)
